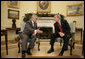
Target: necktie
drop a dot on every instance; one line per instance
(60, 27)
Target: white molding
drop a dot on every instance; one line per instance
(46, 18)
(46, 22)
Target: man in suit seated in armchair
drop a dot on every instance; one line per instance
(62, 30)
(29, 33)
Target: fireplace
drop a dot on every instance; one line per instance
(46, 24)
(47, 31)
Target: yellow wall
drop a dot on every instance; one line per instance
(31, 6)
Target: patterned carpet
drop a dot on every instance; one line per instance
(44, 47)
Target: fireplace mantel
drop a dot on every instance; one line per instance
(46, 18)
(46, 22)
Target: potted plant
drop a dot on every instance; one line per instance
(27, 16)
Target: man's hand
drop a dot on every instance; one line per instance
(61, 34)
(39, 31)
(33, 34)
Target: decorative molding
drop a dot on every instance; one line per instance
(46, 18)
(46, 22)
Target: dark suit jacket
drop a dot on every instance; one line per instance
(29, 29)
(26, 35)
(65, 27)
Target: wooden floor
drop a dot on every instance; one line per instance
(44, 47)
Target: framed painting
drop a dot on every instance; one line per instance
(13, 14)
(14, 4)
(43, 6)
(75, 10)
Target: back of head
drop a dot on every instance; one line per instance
(33, 15)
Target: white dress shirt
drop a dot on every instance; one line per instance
(35, 31)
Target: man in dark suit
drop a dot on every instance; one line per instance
(29, 34)
(62, 29)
